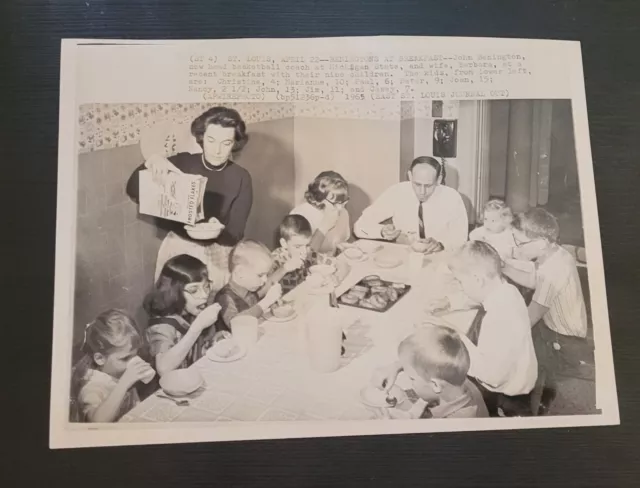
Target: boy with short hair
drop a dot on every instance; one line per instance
(250, 290)
(436, 361)
(557, 310)
(503, 359)
(295, 236)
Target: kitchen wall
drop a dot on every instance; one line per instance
(564, 192)
(365, 152)
(269, 158)
(116, 248)
(460, 171)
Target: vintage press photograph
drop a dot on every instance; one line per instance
(334, 261)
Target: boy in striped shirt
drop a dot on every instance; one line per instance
(557, 310)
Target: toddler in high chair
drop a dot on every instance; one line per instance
(496, 228)
(102, 382)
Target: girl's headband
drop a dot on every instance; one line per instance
(84, 339)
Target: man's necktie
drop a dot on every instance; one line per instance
(476, 325)
(420, 222)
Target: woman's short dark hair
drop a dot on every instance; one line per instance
(433, 162)
(327, 182)
(167, 296)
(224, 117)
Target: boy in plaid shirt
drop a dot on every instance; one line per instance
(295, 235)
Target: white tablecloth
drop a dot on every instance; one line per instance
(275, 381)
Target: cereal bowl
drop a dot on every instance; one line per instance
(322, 270)
(181, 382)
(205, 230)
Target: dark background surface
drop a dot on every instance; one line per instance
(29, 63)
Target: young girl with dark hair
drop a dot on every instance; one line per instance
(178, 314)
(102, 382)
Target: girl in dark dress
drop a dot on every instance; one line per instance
(179, 329)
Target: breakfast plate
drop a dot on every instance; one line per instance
(226, 351)
(377, 398)
(270, 317)
(355, 254)
(388, 260)
(368, 246)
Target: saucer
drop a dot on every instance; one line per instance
(211, 355)
(272, 318)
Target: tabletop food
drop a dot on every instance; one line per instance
(374, 293)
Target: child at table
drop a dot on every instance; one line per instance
(178, 314)
(557, 310)
(252, 288)
(102, 382)
(496, 228)
(436, 361)
(503, 360)
(293, 259)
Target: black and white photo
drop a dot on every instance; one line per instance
(400, 263)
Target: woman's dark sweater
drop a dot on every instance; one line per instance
(228, 197)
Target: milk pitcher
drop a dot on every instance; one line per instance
(324, 339)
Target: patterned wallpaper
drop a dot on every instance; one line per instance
(104, 126)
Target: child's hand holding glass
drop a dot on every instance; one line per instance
(137, 370)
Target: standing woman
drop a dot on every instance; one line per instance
(228, 197)
(324, 208)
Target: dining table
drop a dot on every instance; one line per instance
(275, 380)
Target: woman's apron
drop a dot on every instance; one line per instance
(213, 255)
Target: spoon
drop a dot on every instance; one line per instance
(391, 401)
(181, 402)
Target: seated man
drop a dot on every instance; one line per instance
(420, 206)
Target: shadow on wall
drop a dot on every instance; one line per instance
(116, 248)
(358, 201)
(269, 157)
(452, 180)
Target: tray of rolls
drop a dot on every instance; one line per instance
(374, 293)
